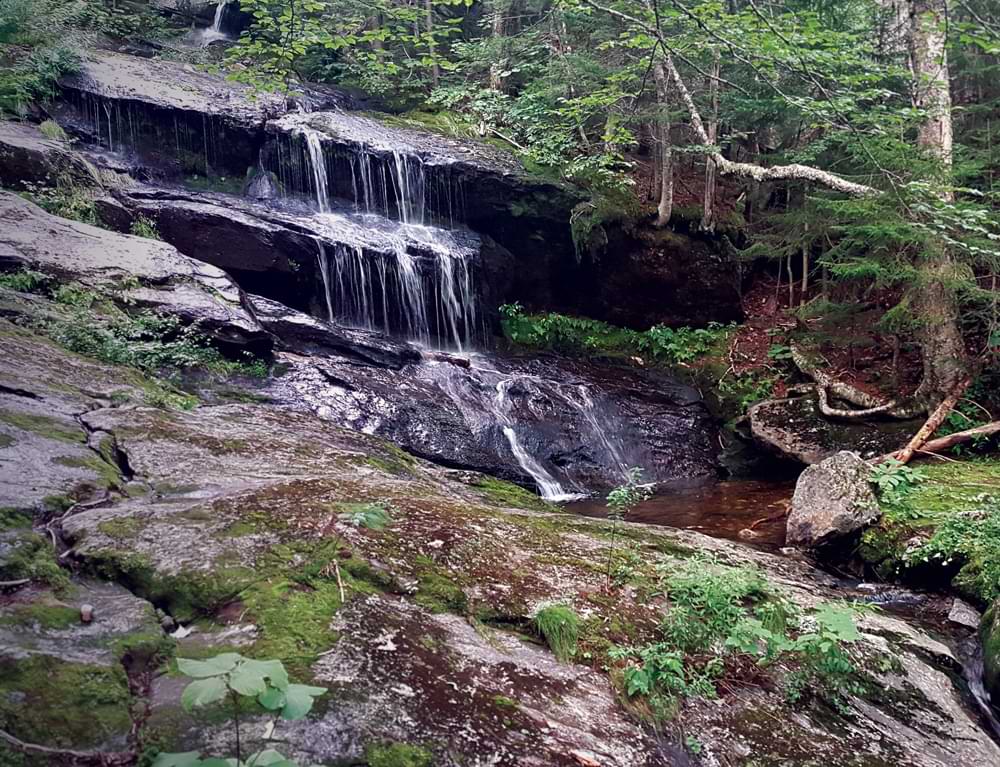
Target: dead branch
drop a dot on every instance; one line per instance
(941, 444)
(92, 757)
(933, 422)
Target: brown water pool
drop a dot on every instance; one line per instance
(750, 511)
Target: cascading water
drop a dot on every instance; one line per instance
(214, 32)
(392, 291)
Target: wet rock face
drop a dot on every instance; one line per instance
(833, 500)
(796, 429)
(989, 632)
(149, 273)
(583, 423)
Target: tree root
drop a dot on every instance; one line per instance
(828, 387)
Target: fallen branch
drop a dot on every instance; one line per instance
(11, 584)
(98, 757)
(932, 424)
(941, 444)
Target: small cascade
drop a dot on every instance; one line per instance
(603, 428)
(317, 164)
(214, 32)
(324, 270)
(548, 486)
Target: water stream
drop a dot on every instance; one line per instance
(214, 32)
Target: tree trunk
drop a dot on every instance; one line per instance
(708, 213)
(946, 363)
(665, 207)
(431, 45)
(498, 67)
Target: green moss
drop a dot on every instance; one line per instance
(31, 556)
(502, 701)
(561, 628)
(121, 528)
(45, 615)
(501, 493)
(57, 504)
(107, 473)
(13, 519)
(944, 529)
(436, 590)
(68, 705)
(989, 633)
(6, 440)
(187, 594)
(43, 425)
(398, 755)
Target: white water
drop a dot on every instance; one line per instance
(215, 32)
(317, 163)
(391, 292)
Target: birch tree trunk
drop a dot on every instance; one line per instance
(712, 129)
(665, 207)
(946, 363)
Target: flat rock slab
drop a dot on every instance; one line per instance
(147, 272)
(170, 85)
(796, 428)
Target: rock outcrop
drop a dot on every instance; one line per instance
(146, 273)
(28, 157)
(796, 429)
(833, 500)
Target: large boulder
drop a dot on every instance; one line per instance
(146, 273)
(833, 500)
(795, 428)
(28, 158)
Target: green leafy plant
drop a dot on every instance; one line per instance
(621, 500)
(24, 281)
(894, 478)
(231, 679)
(717, 612)
(561, 628)
(145, 227)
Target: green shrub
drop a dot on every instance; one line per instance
(561, 628)
(24, 281)
(52, 130)
(145, 227)
(716, 612)
(579, 335)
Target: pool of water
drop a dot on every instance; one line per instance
(750, 511)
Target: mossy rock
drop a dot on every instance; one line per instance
(989, 633)
(398, 755)
(66, 705)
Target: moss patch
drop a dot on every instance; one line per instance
(501, 493)
(945, 529)
(13, 519)
(398, 755)
(69, 705)
(43, 425)
(107, 473)
(31, 556)
(44, 615)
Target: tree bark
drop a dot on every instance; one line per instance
(665, 207)
(431, 45)
(946, 363)
(708, 212)
(499, 28)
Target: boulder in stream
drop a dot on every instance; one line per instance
(833, 500)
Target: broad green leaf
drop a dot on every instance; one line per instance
(203, 692)
(219, 762)
(272, 699)
(268, 758)
(272, 670)
(839, 621)
(201, 669)
(247, 681)
(299, 700)
(186, 759)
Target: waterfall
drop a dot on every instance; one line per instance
(602, 428)
(324, 270)
(220, 11)
(548, 486)
(317, 163)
